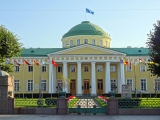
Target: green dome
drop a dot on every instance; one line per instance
(85, 28)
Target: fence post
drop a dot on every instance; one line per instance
(62, 107)
(112, 106)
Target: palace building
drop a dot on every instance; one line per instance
(88, 61)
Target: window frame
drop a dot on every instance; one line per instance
(115, 89)
(61, 69)
(79, 42)
(71, 42)
(155, 86)
(45, 86)
(16, 67)
(32, 86)
(74, 68)
(86, 66)
(98, 68)
(132, 82)
(85, 41)
(30, 68)
(141, 68)
(93, 41)
(143, 83)
(128, 66)
(100, 42)
(113, 67)
(43, 69)
(17, 82)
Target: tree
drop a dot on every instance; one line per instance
(9, 47)
(153, 44)
(65, 81)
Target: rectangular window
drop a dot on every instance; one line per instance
(16, 85)
(100, 42)
(86, 68)
(72, 68)
(43, 85)
(113, 68)
(113, 85)
(93, 42)
(66, 43)
(142, 68)
(71, 42)
(106, 43)
(30, 85)
(16, 68)
(59, 86)
(43, 68)
(30, 68)
(78, 41)
(129, 82)
(157, 84)
(128, 68)
(59, 68)
(85, 40)
(99, 68)
(143, 85)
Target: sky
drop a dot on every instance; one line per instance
(41, 23)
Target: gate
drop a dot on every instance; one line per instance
(87, 104)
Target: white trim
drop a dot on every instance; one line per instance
(87, 45)
(132, 82)
(140, 68)
(129, 68)
(27, 86)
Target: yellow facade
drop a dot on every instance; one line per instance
(88, 55)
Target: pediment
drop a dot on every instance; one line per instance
(85, 50)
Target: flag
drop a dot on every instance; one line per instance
(121, 61)
(25, 62)
(142, 62)
(44, 63)
(89, 11)
(125, 62)
(54, 63)
(17, 63)
(36, 62)
(130, 64)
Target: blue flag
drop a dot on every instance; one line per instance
(89, 11)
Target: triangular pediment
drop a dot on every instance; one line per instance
(86, 49)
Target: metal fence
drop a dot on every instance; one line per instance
(51, 103)
(139, 103)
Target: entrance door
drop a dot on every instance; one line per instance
(73, 87)
(100, 86)
(86, 87)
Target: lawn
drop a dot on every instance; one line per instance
(72, 102)
(32, 102)
(101, 102)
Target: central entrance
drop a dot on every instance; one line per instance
(86, 87)
(100, 86)
(73, 87)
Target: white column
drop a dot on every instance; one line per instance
(54, 84)
(119, 79)
(107, 78)
(50, 75)
(93, 78)
(79, 78)
(65, 73)
(122, 74)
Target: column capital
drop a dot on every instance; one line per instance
(65, 62)
(79, 62)
(93, 62)
(108, 62)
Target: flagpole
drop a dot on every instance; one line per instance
(85, 15)
(40, 81)
(135, 78)
(33, 76)
(23, 77)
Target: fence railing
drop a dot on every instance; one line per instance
(50, 102)
(139, 103)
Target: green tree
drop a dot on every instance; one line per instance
(9, 47)
(153, 44)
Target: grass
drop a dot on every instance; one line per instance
(101, 102)
(32, 102)
(72, 102)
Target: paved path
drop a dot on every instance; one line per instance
(76, 117)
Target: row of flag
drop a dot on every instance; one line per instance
(140, 61)
(34, 62)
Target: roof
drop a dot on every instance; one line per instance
(85, 28)
(42, 52)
